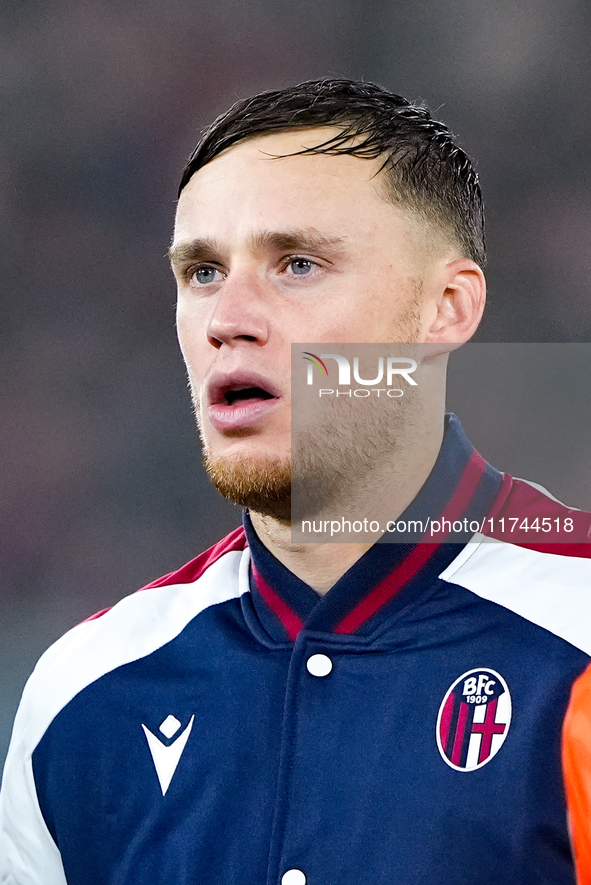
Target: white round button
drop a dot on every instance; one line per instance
(318, 665)
(293, 877)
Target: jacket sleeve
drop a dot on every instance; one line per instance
(28, 853)
(577, 773)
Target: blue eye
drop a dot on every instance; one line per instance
(301, 266)
(206, 274)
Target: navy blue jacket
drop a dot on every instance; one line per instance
(227, 726)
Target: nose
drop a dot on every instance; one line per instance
(240, 312)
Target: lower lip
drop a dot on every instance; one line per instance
(241, 416)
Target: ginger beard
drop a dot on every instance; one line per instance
(327, 468)
(257, 483)
(324, 473)
(263, 486)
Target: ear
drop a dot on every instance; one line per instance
(460, 304)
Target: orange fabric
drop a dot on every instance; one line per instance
(576, 757)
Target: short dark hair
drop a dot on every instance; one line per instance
(424, 168)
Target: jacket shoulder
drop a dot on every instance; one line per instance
(133, 628)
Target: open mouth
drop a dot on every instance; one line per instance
(238, 401)
(242, 395)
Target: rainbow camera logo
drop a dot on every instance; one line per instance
(315, 361)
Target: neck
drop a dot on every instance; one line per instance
(322, 564)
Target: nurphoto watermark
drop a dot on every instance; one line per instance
(372, 458)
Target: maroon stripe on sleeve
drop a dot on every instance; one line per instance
(236, 540)
(529, 517)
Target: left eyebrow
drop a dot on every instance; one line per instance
(297, 241)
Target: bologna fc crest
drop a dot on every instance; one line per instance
(474, 719)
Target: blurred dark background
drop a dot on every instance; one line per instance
(101, 101)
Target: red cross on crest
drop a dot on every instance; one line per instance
(474, 718)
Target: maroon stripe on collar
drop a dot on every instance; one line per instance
(419, 555)
(286, 615)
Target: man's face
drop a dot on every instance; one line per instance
(270, 250)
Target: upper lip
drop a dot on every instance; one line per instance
(219, 383)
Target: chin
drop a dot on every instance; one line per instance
(258, 483)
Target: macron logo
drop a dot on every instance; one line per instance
(166, 755)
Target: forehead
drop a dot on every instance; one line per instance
(264, 179)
